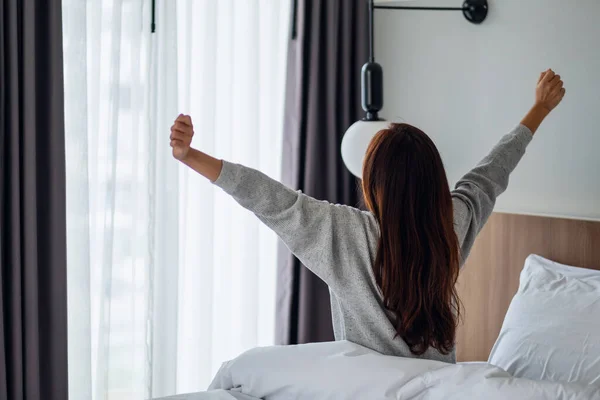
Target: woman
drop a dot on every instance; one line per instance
(392, 270)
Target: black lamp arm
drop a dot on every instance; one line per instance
(371, 31)
(475, 11)
(382, 7)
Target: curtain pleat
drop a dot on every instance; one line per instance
(322, 101)
(33, 253)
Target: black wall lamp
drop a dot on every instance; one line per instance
(359, 135)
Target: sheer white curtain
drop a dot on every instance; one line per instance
(167, 276)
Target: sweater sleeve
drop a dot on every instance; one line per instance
(475, 194)
(322, 235)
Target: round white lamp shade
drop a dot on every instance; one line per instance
(356, 142)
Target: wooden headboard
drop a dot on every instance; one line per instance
(490, 277)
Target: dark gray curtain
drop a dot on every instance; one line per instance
(33, 293)
(328, 46)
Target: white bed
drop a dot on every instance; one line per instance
(344, 370)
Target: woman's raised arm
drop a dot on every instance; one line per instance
(325, 237)
(475, 194)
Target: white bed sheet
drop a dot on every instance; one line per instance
(218, 394)
(344, 370)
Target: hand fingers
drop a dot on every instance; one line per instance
(182, 125)
(541, 77)
(183, 128)
(557, 84)
(184, 119)
(558, 95)
(555, 80)
(549, 75)
(177, 143)
(176, 135)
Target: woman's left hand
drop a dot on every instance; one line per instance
(550, 90)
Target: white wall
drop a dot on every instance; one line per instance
(466, 85)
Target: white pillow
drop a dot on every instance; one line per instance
(552, 328)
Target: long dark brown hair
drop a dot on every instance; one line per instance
(418, 256)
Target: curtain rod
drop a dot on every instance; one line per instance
(153, 21)
(294, 25)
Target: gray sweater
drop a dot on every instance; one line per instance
(339, 243)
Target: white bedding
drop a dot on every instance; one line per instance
(343, 370)
(218, 394)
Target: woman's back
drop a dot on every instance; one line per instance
(340, 243)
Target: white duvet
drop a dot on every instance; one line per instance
(344, 370)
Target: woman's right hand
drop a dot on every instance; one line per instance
(550, 91)
(182, 132)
